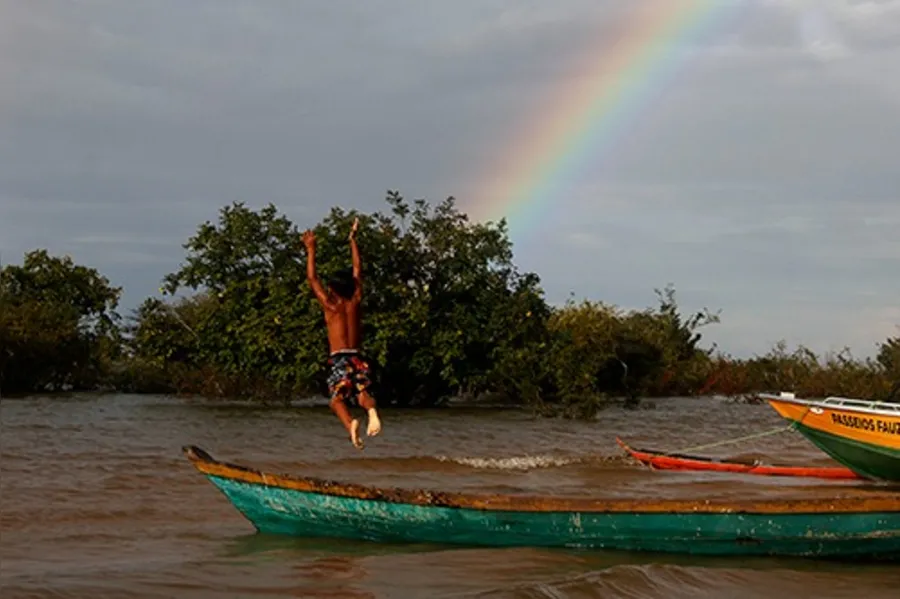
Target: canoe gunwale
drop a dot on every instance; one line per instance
(839, 404)
(882, 501)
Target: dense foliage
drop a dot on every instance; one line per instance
(58, 325)
(446, 313)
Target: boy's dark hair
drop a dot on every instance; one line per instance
(343, 284)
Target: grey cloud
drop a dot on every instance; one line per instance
(760, 179)
(773, 271)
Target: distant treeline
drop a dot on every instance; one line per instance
(446, 314)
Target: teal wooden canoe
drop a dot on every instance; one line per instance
(848, 527)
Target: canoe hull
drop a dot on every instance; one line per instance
(286, 512)
(662, 461)
(860, 527)
(869, 461)
(865, 440)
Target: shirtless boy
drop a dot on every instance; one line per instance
(348, 380)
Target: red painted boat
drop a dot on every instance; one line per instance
(672, 461)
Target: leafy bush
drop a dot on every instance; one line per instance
(441, 295)
(58, 325)
(445, 313)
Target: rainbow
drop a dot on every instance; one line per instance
(613, 84)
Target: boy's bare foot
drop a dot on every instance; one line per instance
(374, 426)
(354, 434)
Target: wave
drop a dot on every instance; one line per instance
(669, 581)
(510, 463)
(526, 462)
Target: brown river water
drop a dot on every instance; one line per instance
(98, 501)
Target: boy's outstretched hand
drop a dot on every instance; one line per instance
(309, 240)
(354, 228)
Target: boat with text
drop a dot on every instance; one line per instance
(857, 526)
(862, 435)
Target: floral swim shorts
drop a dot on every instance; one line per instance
(348, 375)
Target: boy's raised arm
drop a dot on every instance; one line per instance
(354, 254)
(309, 240)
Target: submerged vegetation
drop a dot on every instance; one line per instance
(447, 313)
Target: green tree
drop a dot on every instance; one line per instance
(249, 327)
(589, 352)
(441, 298)
(165, 350)
(445, 312)
(445, 300)
(889, 355)
(58, 325)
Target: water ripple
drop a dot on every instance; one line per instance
(97, 501)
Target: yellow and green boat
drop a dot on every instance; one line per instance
(862, 435)
(859, 526)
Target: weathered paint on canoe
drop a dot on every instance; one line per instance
(865, 439)
(300, 506)
(666, 461)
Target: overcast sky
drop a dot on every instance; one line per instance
(761, 178)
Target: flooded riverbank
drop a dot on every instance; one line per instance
(98, 501)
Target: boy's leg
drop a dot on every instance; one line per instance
(361, 383)
(338, 386)
(339, 407)
(367, 402)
